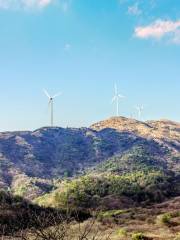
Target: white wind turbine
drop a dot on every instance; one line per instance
(116, 99)
(51, 104)
(139, 111)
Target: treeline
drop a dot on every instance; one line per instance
(90, 191)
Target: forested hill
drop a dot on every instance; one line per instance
(30, 161)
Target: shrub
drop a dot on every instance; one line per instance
(122, 232)
(175, 214)
(165, 218)
(139, 236)
(112, 213)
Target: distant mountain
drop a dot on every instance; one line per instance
(31, 161)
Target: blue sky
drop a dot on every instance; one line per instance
(82, 47)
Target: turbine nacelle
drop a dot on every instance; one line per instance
(117, 97)
(51, 97)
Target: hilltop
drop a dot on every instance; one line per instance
(163, 131)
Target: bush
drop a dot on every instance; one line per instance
(122, 232)
(112, 213)
(165, 218)
(175, 214)
(139, 236)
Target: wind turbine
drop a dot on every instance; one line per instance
(116, 99)
(51, 104)
(139, 110)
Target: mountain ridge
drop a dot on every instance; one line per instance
(31, 160)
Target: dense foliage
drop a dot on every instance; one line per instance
(137, 158)
(90, 190)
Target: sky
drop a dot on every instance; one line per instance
(82, 48)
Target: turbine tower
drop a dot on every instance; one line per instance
(116, 99)
(139, 110)
(51, 105)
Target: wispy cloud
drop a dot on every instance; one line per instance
(134, 9)
(33, 4)
(24, 4)
(160, 29)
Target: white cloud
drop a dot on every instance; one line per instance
(134, 9)
(5, 4)
(176, 38)
(24, 4)
(34, 4)
(159, 29)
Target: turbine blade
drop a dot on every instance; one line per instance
(115, 89)
(46, 93)
(120, 96)
(113, 99)
(57, 94)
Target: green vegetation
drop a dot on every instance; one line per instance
(139, 236)
(121, 232)
(110, 216)
(111, 213)
(137, 158)
(165, 218)
(30, 188)
(90, 190)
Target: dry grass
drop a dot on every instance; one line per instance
(122, 226)
(145, 220)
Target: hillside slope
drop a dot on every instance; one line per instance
(163, 131)
(30, 161)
